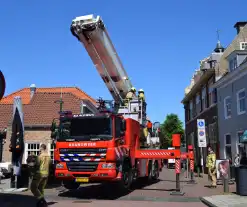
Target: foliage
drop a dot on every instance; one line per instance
(171, 125)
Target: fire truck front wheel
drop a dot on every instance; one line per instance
(127, 176)
(70, 185)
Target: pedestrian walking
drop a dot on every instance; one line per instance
(211, 165)
(40, 176)
(31, 163)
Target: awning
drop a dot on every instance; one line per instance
(243, 138)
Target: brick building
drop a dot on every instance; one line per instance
(40, 107)
(200, 102)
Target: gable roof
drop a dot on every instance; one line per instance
(42, 109)
(25, 94)
(234, 45)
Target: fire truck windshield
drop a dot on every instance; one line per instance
(86, 129)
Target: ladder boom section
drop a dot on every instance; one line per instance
(157, 154)
(92, 33)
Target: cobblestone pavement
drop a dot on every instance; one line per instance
(156, 194)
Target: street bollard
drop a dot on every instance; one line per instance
(191, 159)
(198, 171)
(226, 182)
(176, 143)
(226, 185)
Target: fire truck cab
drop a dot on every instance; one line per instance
(99, 148)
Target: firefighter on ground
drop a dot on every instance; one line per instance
(211, 165)
(130, 95)
(40, 176)
(141, 95)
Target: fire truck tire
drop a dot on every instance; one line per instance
(70, 185)
(127, 177)
(155, 171)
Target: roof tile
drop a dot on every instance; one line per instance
(42, 109)
(25, 94)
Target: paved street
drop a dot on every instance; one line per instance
(156, 194)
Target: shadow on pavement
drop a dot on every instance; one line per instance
(174, 181)
(101, 191)
(10, 199)
(157, 189)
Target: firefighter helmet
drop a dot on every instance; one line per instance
(141, 91)
(133, 89)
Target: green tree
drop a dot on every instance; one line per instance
(171, 125)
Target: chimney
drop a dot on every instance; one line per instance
(32, 90)
(239, 26)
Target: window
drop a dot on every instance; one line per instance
(233, 64)
(212, 64)
(31, 148)
(191, 109)
(243, 45)
(227, 107)
(228, 147)
(86, 111)
(211, 93)
(194, 108)
(241, 105)
(118, 123)
(198, 103)
(204, 98)
(51, 151)
(240, 146)
(86, 129)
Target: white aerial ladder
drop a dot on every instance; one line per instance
(92, 33)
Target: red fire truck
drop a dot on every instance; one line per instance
(106, 145)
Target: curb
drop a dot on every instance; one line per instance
(14, 190)
(206, 202)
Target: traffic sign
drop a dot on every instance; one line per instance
(200, 123)
(201, 133)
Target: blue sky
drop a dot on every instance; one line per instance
(159, 42)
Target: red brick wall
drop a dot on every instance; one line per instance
(30, 136)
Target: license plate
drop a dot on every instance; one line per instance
(82, 180)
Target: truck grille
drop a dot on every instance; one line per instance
(82, 160)
(82, 166)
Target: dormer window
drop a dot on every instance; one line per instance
(243, 45)
(233, 63)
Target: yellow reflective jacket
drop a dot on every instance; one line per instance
(211, 161)
(130, 95)
(43, 161)
(141, 96)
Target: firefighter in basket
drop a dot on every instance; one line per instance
(130, 95)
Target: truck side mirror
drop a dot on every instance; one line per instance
(53, 130)
(53, 126)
